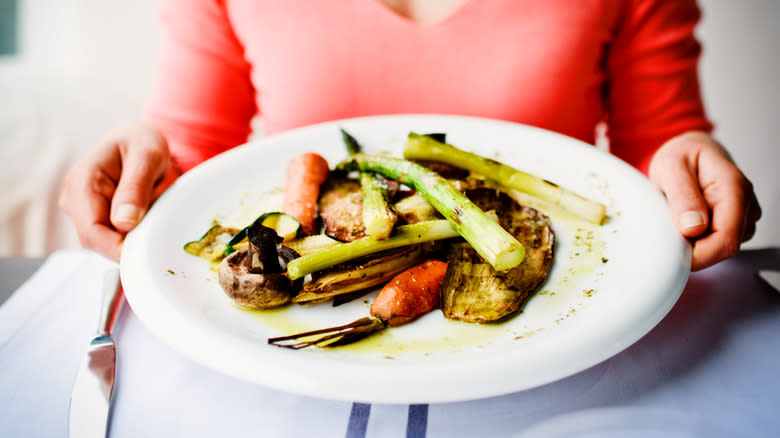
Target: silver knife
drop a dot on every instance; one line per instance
(94, 387)
(772, 278)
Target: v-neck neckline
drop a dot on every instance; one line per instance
(441, 21)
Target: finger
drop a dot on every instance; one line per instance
(727, 228)
(104, 240)
(142, 169)
(91, 222)
(753, 215)
(750, 231)
(679, 182)
(170, 177)
(755, 209)
(714, 248)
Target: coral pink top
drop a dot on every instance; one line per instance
(556, 64)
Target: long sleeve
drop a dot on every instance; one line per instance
(653, 92)
(203, 100)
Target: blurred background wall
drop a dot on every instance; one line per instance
(740, 70)
(77, 68)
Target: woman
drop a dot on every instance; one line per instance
(631, 63)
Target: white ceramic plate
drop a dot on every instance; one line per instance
(608, 287)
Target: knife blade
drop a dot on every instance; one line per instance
(772, 278)
(94, 387)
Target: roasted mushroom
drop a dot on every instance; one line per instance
(341, 209)
(472, 290)
(256, 276)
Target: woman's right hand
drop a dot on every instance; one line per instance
(109, 191)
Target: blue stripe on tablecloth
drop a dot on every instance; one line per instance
(417, 423)
(358, 420)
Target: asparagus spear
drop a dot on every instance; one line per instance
(422, 147)
(492, 242)
(378, 216)
(404, 235)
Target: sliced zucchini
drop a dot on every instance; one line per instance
(286, 226)
(212, 245)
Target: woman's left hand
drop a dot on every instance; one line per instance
(713, 203)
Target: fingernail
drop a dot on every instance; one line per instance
(691, 219)
(129, 213)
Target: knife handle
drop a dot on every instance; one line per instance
(112, 298)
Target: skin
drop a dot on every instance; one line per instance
(712, 201)
(423, 11)
(108, 191)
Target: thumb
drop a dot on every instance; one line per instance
(680, 183)
(142, 169)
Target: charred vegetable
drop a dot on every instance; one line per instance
(360, 274)
(491, 241)
(351, 143)
(406, 297)
(211, 246)
(264, 256)
(473, 290)
(415, 208)
(404, 235)
(255, 276)
(378, 216)
(310, 244)
(341, 209)
(286, 226)
(422, 147)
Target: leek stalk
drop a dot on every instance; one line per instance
(423, 147)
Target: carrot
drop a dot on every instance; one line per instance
(305, 174)
(410, 294)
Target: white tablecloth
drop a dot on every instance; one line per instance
(710, 368)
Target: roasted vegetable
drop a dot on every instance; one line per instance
(474, 291)
(360, 274)
(421, 147)
(305, 174)
(341, 209)
(378, 216)
(403, 235)
(350, 142)
(211, 246)
(255, 276)
(310, 244)
(444, 170)
(415, 208)
(286, 226)
(491, 241)
(263, 255)
(409, 295)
